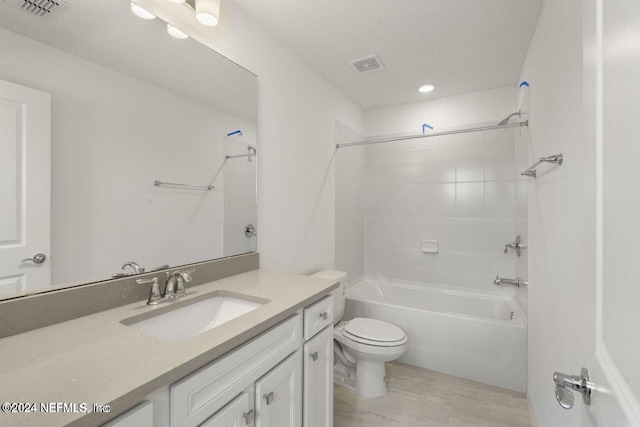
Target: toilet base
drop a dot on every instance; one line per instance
(371, 379)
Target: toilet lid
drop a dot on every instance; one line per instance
(374, 330)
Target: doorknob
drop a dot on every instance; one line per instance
(250, 230)
(566, 383)
(37, 259)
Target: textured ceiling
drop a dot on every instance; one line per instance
(460, 45)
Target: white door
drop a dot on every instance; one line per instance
(279, 395)
(317, 408)
(25, 158)
(612, 98)
(235, 414)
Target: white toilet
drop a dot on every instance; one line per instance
(362, 345)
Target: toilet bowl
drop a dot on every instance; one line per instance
(362, 346)
(371, 343)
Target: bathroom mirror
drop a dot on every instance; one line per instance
(132, 109)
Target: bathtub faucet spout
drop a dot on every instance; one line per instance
(515, 282)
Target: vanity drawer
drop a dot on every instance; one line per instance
(201, 394)
(318, 316)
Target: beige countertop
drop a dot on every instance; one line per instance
(97, 359)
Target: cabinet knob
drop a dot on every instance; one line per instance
(269, 398)
(248, 417)
(324, 315)
(314, 356)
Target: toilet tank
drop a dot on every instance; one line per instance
(339, 295)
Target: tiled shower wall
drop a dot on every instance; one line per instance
(523, 160)
(460, 190)
(465, 191)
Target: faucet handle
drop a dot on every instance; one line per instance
(153, 280)
(506, 248)
(154, 293)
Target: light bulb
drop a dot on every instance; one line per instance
(174, 32)
(140, 12)
(426, 88)
(207, 12)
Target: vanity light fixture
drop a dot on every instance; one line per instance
(207, 12)
(174, 32)
(140, 12)
(426, 88)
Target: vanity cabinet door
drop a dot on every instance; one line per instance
(279, 395)
(238, 413)
(318, 380)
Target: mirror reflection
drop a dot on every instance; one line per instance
(122, 149)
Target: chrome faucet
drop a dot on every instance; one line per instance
(175, 283)
(515, 282)
(515, 245)
(134, 266)
(174, 287)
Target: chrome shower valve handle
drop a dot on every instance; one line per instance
(515, 245)
(566, 384)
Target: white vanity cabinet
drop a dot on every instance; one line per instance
(138, 416)
(279, 395)
(318, 364)
(318, 380)
(237, 413)
(200, 395)
(281, 378)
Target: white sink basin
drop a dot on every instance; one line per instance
(182, 320)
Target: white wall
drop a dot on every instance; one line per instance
(561, 208)
(460, 190)
(475, 107)
(297, 109)
(350, 179)
(112, 136)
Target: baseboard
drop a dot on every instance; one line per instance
(535, 421)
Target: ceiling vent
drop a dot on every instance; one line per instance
(367, 65)
(45, 10)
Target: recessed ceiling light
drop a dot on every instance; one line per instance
(426, 88)
(174, 32)
(141, 13)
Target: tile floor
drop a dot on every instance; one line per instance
(422, 398)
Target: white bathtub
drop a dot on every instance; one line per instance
(475, 335)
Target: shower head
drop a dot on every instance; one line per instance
(506, 120)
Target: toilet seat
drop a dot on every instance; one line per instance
(374, 333)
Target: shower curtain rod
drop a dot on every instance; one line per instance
(429, 135)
